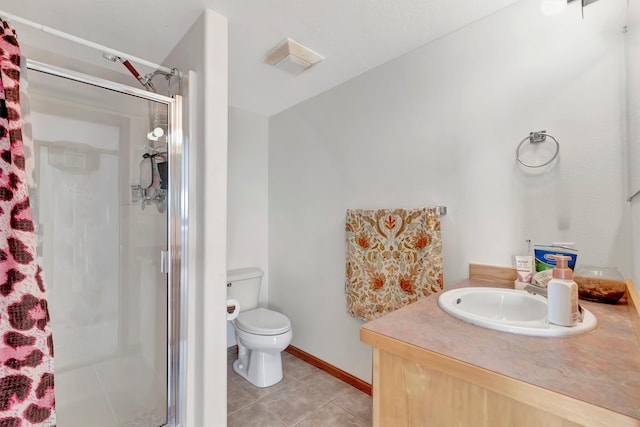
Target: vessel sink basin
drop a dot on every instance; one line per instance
(508, 310)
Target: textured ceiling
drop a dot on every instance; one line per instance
(353, 35)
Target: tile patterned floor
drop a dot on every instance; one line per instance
(306, 397)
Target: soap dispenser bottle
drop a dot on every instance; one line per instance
(562, 294)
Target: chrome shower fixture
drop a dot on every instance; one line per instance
(144, 80)
(154, 181)
(109, 57)
(158, 119)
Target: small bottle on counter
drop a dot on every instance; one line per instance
(562, 294)
(524, 271)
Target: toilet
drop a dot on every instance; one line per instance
(262, 334)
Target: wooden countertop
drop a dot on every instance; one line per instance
(601, 367)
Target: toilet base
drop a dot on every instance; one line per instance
(260, 368)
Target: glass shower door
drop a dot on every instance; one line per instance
(102, 217)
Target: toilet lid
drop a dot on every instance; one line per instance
(261, 321)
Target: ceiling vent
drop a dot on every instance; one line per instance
(292, 57)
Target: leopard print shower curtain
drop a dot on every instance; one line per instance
(26, 346)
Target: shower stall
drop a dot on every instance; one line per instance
(110, 212)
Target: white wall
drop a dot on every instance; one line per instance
(440, 125)
(632, 45)
(247, 196)
(203, 51)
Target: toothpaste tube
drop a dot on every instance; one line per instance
(524, 268)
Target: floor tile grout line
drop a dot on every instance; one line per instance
(351, 413)
(104, 392)
(310, 414)
(242, 407)
(347, 409)
(328, 400)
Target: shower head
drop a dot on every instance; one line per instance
(128, 66)
(109, 57)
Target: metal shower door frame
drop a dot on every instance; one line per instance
(177, 230)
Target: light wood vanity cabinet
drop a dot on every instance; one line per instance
(432, 370)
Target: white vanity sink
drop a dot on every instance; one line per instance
(508, 310)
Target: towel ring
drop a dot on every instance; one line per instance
(534, 138)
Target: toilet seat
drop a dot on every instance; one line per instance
(262, 321)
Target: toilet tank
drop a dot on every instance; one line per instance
(244, 285)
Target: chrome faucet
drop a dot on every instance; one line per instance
(536, 290)
(159, 198)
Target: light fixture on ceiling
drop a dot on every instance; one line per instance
(554, 7)
(292, 57)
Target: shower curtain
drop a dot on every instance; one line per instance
(26, 346)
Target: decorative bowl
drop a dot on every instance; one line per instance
(600, 283)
